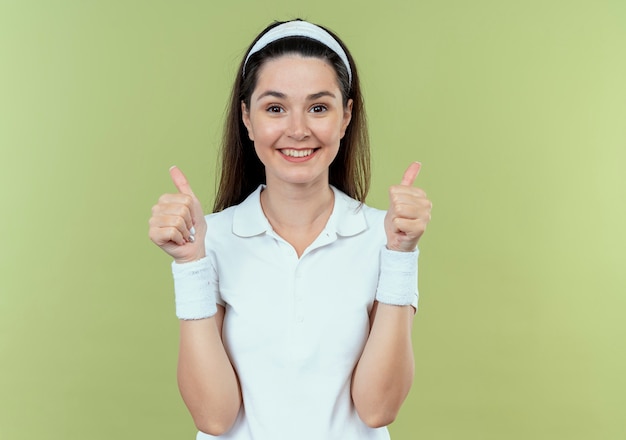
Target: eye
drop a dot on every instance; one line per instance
(318, 108)
(275, 109)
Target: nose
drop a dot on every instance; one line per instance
(298, 128)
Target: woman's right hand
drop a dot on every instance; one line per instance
(172, 219)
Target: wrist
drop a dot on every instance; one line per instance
(397, 282)
(191, 259)
(194, 290)
(401, 247)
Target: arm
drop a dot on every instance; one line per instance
(384, 373)
(206, 378)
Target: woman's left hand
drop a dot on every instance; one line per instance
(408, 214)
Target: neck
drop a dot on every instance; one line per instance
(298, 213)
(296, 207)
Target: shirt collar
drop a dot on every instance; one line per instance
(248, 219)
(347, 218)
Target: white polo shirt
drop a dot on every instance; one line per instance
(295, 327)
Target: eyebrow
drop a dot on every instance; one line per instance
(311, 97)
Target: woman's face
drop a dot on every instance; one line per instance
(296, 119)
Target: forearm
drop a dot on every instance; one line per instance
(384, 373)
(206, 378)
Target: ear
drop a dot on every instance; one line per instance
(245, 117)
(347, 117)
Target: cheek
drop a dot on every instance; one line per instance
(262, 151)
(266, 133)
(266, 137)
(331, 133)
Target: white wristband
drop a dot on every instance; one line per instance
(397, 283)
(195, 297)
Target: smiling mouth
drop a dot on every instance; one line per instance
(298, 153)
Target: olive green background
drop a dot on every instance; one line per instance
(517, 110)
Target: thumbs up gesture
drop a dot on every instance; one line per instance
(177, 224)
(408, 214)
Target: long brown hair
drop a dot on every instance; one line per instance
(242, 171)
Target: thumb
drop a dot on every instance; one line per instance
(180, 181)
(410, 174)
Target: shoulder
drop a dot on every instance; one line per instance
(221, 218)
(350, 203)
(243, 220)
(355, 215)
(372, 213)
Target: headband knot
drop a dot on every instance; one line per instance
(299, 29)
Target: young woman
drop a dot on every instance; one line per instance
(295, 298)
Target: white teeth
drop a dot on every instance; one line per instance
(297, 153)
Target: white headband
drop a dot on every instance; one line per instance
(300, 29)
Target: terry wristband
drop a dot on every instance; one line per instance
(397, 283)
(194, 295)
